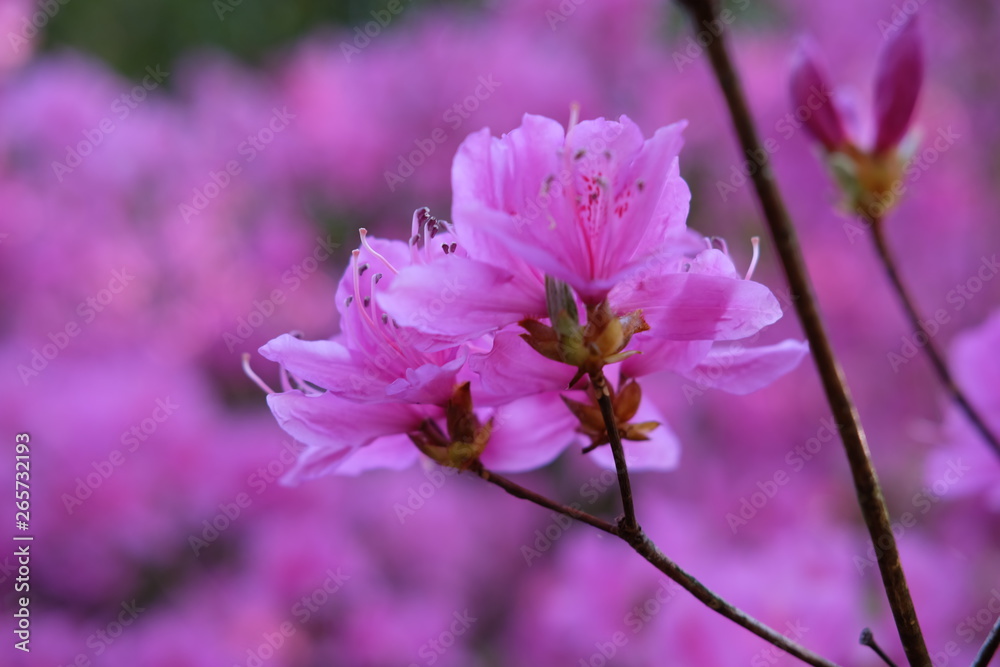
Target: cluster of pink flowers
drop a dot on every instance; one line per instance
(547, 223)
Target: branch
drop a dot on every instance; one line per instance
(629, 523)
(645, 548)
(937, 359)
(866, 483)
(642, 545)
(519, 491)
(867, 639)
(989, 648)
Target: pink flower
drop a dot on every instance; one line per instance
(373, 359)
(588, 206)
(374, 394)
(599, 209)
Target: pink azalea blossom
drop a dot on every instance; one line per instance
(598, 208)
(353, 400)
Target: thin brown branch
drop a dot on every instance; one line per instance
(933, 353)
(603, 392)
(519, 491)
(641, 544)
(866, 485)
(645, 548)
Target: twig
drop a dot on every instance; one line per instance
(519, 491)
(600, 383)
(989, 647)
(937, 359)
(866, 483)
(642, 545)
(868, 639)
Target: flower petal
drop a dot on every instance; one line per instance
(529, 433)
(899, 75)
(658, 354)
(692, 306)
(330, 365)
(460, 298)
(333, 428)
(741, 370)
(430, 383)
(393, 452)
(512, 370)
(810, 89)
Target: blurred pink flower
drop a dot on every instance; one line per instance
(967, 464)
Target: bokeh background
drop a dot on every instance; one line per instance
(181, 181)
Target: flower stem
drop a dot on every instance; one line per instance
(519, 491)
(989, 647)
(629, 524)
(937, 359)
(866, 485)
(643, 546)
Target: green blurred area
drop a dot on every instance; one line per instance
(130, 34)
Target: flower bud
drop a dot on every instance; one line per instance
(466, 438)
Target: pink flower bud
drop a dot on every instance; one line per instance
(811, 92)
(900, 71)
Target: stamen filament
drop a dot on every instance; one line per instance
(253, 376)
(364, 242)
(755, 242)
